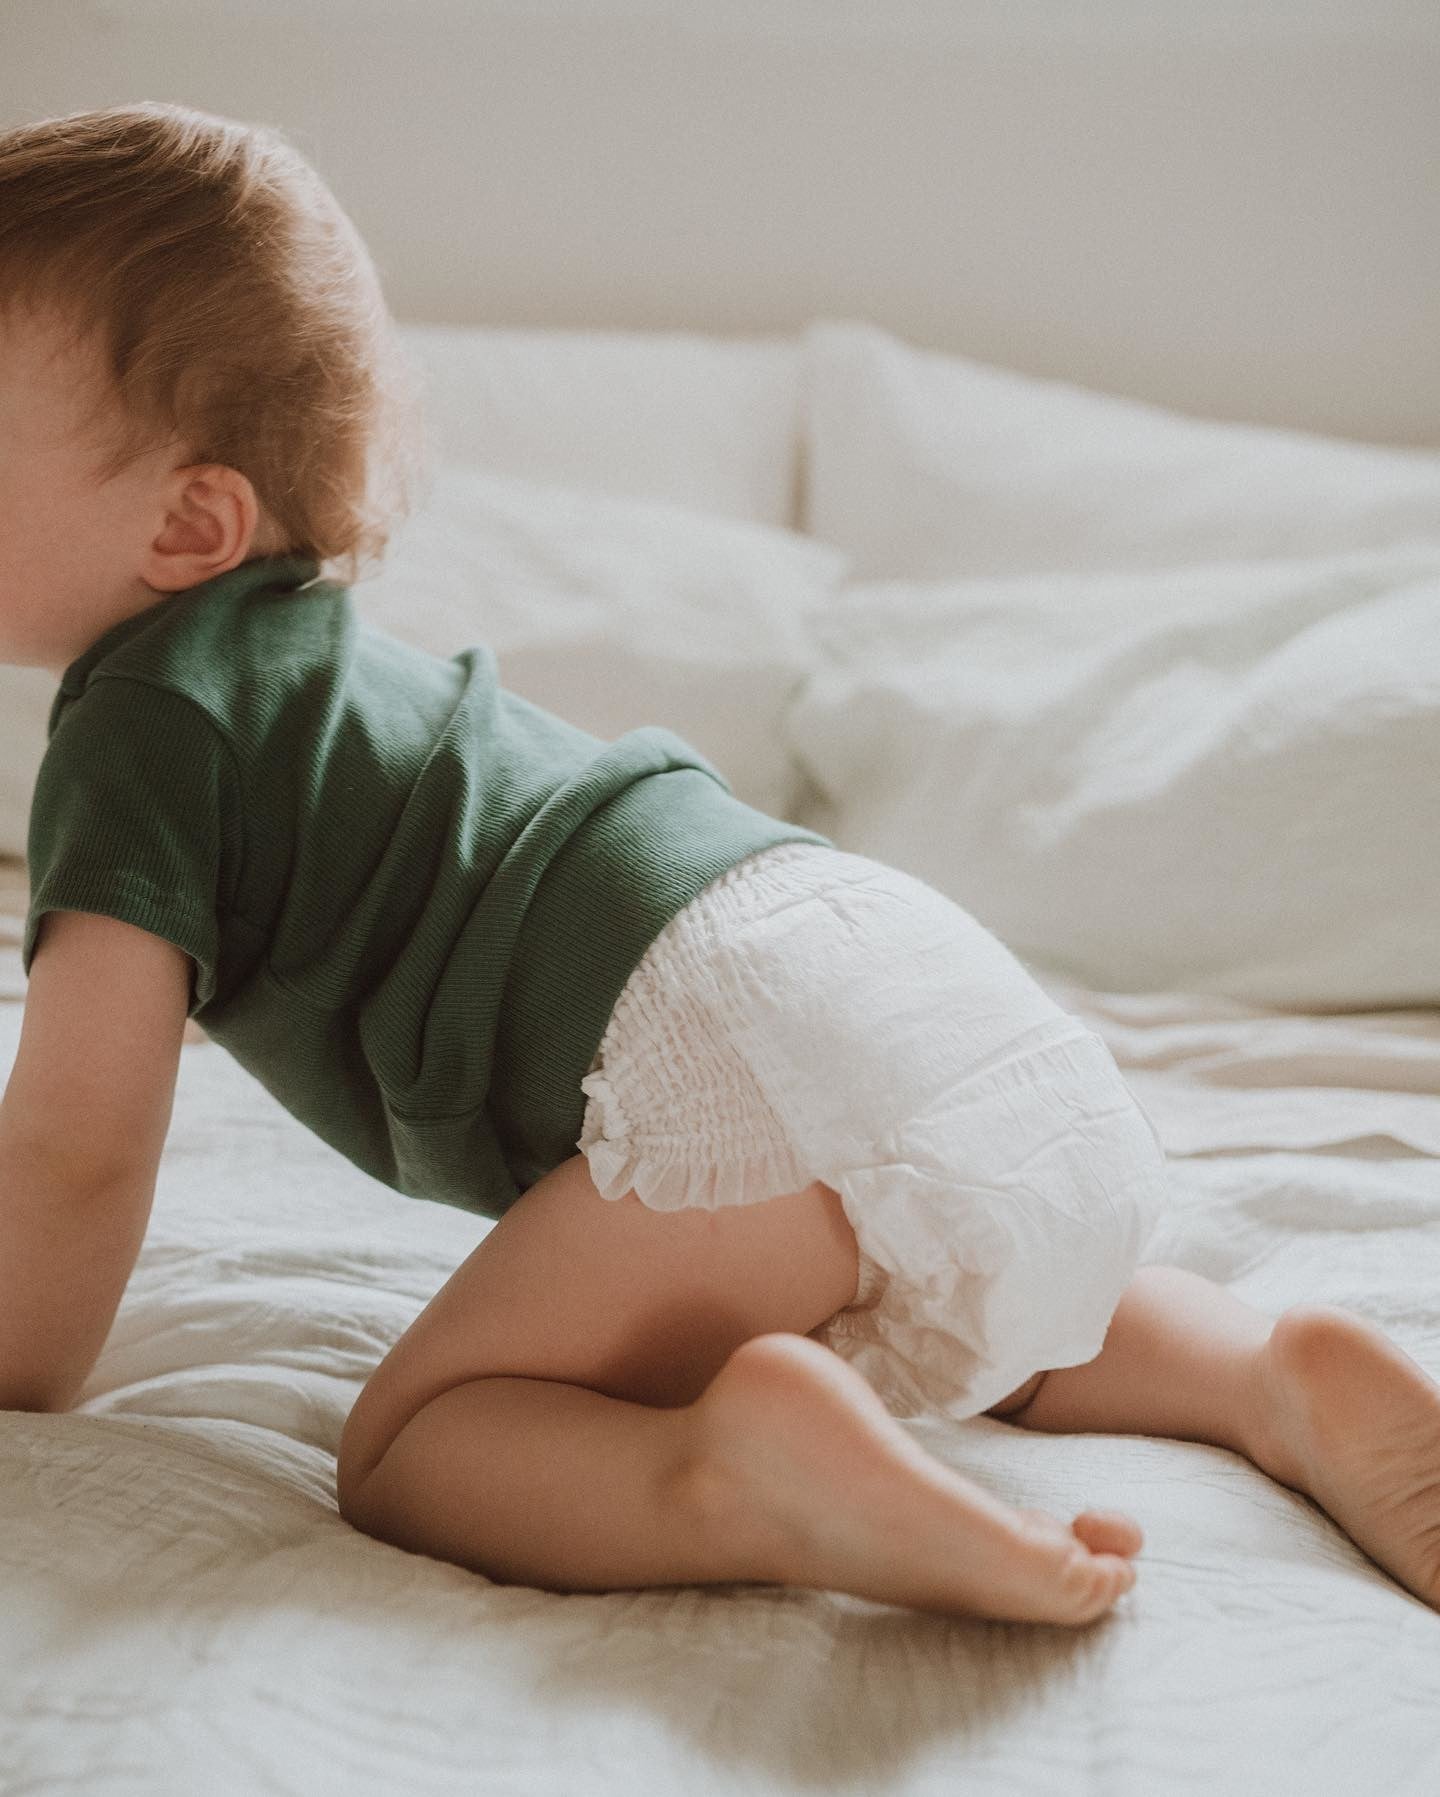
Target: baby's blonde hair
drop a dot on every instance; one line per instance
(236, 306)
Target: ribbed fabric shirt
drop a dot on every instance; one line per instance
(410, 897)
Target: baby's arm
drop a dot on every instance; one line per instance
(82, 1124)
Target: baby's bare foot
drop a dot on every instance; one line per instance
(798, 1455)
(1354, 1423)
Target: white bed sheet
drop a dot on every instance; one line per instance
(182, 1609)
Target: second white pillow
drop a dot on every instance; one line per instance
(1220, 779)
(921, 465)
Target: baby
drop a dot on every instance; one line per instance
(782, 1145)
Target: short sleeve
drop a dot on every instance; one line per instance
(135, 816)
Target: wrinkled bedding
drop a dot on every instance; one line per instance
(182, 1609)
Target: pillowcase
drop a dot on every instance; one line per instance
(922, 465)
(615, 613)
(695, 420)
(1221, 780)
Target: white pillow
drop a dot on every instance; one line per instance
(922, 465)
(696, 420)
(1222, 779)
(614, 613)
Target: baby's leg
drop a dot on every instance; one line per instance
(1319, 1399)
(604, 1396)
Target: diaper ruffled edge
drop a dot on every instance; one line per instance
(679, 1173)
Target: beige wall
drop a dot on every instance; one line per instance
(1230, 206)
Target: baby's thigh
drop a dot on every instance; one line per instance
(636, 1303)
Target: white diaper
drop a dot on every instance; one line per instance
(815, 1014)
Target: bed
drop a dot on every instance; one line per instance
(1129, 652)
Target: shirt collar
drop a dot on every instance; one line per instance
(280, 572)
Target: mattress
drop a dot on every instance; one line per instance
(185, 1610)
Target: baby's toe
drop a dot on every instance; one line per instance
(1109, 1532)
(1078, 1582)
(1102, 1531)
(1111, 1576)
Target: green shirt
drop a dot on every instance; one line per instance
(411, 897)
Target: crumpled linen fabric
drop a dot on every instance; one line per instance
(816, 1014)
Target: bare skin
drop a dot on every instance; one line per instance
(796, 1437)
(801, 1459)
(568, 1414)
(1357, 1428)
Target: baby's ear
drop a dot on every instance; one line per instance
(211, 522)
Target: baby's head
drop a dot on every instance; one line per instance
(197, 367)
